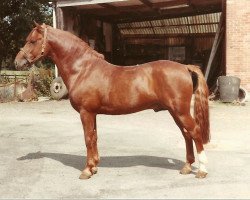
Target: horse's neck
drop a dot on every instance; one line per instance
(69, 56)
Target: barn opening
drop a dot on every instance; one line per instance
(138, 31)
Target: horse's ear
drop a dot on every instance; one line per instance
(36, 24)
(39, 27)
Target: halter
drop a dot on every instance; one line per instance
(26, 55)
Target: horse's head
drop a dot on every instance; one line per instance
(35, 48)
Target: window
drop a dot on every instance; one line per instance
(176, 54)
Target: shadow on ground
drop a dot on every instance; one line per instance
(78, 162)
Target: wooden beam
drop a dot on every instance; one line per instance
(177, 12)
(147, 3)
(170, 3)
(198, 3)
(151, 6)
(217, 39)
(109, 6)
(224, 47)
(59, 18)
(73, 3)
(171, 26)
(158, 36)
(126, 14)
(191, 5)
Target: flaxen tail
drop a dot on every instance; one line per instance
(201, 109)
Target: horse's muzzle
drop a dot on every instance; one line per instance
(20, 62)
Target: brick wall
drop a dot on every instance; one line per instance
(238, 40)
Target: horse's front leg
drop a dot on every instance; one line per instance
(90, 135)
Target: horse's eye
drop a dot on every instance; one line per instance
(32, 42)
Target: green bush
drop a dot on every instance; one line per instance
(42, 79)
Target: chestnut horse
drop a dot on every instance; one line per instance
(98, 87)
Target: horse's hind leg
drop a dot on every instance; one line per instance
(189, 147)
(90, 134)
(189, 154)
(191, 129)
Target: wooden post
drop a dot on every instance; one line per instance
(15, 87)
(223, 63)
(59, 18)
(55, 26)
(217, 40)
(57, 23)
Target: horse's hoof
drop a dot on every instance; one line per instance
(94, 170)
(201, 174)
(85, 175)
(186, 169)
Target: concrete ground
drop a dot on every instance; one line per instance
(42, 153)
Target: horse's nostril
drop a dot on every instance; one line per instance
(16, 64)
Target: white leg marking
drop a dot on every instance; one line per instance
(202, 161)
(170, 161)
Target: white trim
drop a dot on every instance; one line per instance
(54, 17)
(54, 26)
(202, 157)
(202, 161)
(202, 168)
(65, 3)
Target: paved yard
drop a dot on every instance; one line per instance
(42, 153)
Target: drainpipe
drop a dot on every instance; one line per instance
(54, 26)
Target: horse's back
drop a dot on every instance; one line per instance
(172, 80)
(150, 85)
(112, 89)
(169, 74)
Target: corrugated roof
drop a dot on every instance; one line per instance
(198, 24)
